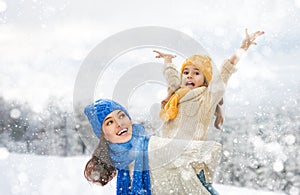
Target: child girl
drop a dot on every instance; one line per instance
(193, 96)
(126, 150)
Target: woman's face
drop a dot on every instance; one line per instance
(192, 77)
(117, 127)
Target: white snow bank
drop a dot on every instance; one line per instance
(23, 174)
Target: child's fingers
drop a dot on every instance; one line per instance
(258, 33)
(156, 51)
(246, 32)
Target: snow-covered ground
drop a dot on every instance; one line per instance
(23, 174)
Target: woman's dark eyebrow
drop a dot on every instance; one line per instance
(107, 118)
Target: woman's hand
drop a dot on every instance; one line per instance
(249, 39)
(167, 57)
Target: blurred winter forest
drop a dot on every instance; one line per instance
(260, 151)
(51, 132)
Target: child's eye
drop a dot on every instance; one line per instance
(197, 73)
(185, 72)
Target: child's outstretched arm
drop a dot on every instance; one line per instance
(170, 73)
(167, 57)
(247, 42)
(217, 86)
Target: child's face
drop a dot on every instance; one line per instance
(192, 77)
(117, 127)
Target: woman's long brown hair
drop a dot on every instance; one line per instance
(99, 168)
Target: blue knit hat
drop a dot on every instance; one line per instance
(97, 112)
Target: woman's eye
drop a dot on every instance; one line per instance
(185, 72)
(109, 123)
(197, 73)
(122, 115)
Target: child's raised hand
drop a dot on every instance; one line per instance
(163, 55)
(250, 38)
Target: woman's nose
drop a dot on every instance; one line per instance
(118, 123)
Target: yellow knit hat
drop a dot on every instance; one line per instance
(202, 62)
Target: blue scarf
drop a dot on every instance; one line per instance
(136, 149)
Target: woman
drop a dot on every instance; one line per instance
(143, 164)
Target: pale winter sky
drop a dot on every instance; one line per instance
(43, 43)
